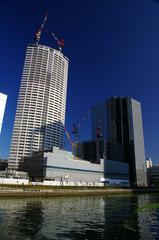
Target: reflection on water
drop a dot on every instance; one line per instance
(102, 217)
(30, 220)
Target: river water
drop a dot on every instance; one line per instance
(100, 217)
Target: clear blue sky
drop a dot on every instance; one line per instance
(113, 48)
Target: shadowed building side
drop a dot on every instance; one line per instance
(125, 134)
(120, 122)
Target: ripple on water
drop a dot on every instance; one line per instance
(94, 218)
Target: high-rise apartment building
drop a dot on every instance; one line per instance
(40, 114)
(120, 122)
(125, 136)
(3, 99)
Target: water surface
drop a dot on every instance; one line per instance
(102, 217)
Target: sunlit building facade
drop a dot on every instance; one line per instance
(3, 99)
(148, 163)
(40, 114)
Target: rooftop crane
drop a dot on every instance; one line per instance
(38, 33)
(59, 42)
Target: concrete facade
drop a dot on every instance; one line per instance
(137, 140)
(3, 100)
(60, 165)
(40, 114)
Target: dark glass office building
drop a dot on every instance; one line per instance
(91, 151)
(120, 123)
(125, 137)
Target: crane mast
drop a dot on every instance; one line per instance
(60, 42)
(38, 33)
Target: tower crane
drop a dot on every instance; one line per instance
(77, 124)
(60, 42)
(73, 145)
(38, 33)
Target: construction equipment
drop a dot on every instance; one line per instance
(77, 125)
(38, 33)
(73, 145)
(59, 42)
(99, 128)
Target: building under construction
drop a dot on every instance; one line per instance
(40, 114)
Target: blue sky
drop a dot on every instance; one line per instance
(113, 48)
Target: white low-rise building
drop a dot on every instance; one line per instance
(62, 168)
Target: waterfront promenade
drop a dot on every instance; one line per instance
(43, 191)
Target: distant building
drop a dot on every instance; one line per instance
(3, 99)
(61, 166)
(153, 176)
(91, 151)
(119, 121)
(149, 163)
(40, 114)
(99, 121)
(3, 164)
(115, 151)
